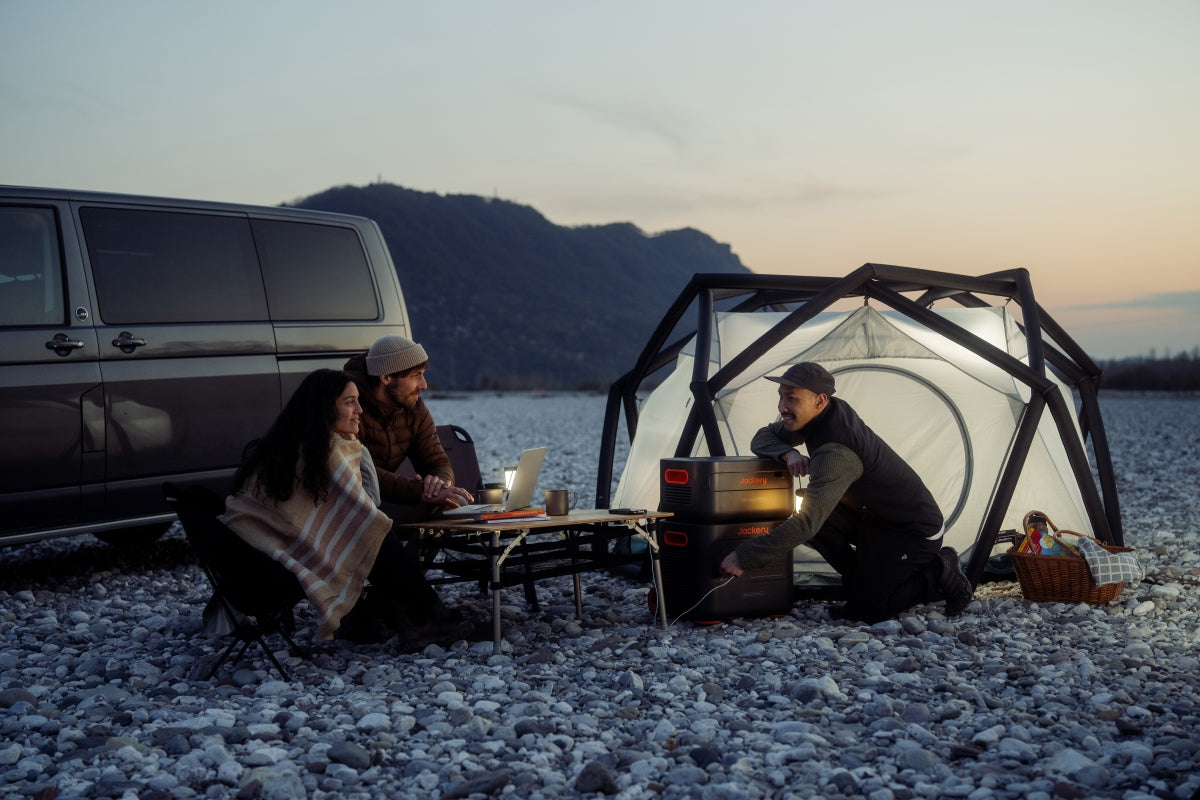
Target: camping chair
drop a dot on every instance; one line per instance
(257, 592)
(460, 447)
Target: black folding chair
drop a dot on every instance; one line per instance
(257, 592)
(460, 448)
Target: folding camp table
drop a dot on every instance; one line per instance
(508, 552)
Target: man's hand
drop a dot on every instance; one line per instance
(730, 565)
(441, 493)
(797, 464)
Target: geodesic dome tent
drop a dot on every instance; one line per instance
(960, 393)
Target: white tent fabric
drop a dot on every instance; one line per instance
(946, 411)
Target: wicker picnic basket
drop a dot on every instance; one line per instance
(1061, 579)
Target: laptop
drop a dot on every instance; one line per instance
(520, 496)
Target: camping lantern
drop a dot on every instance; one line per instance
(799, 499)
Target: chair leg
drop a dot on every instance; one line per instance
(274, 660)
(226, 653)
(247, 634)
(281, 625)
(292, 646)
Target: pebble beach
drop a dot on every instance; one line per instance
(102, 655)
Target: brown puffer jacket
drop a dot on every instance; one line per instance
(392, 433)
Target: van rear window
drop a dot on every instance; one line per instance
(314, 272)
(165, 266)
(31, 288)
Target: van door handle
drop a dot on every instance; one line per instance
(63, 344)
(127, 342)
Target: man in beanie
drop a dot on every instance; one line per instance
(396, 425)
(865, 510)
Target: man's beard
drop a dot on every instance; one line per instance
(407, 401)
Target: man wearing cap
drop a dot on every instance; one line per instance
(396, 425)
(865, 510)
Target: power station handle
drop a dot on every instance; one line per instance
(675, 538)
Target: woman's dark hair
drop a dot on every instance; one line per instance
(303, 429)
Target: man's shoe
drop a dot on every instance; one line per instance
(412, 638)
(482, 630)
(841, 612)
(444, 615)
(954, 583)
(437, 613)
(362, 629)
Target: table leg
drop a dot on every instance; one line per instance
(650, 534)
(656, 576)
(578, 598)
(495, 554)
(572, 539)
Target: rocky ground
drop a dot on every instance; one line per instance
(101, 653)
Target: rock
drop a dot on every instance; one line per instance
(374, 721)
(9, 697)
(285, 786)
(703, 756)
(595, 777)
(918, 713)
(965, 751)
(482, 784)
(352, 755)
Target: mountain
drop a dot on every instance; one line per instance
(503, 298)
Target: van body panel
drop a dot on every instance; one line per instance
(182, 328)
(43, 388)
(42, 416)
(168, 416)
(299, 341)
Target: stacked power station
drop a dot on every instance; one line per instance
(717, 503)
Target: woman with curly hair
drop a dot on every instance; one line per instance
(307, 495)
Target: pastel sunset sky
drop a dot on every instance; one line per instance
(812, 137)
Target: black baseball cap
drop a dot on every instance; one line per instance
(806, 375)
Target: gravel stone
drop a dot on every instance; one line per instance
(102, 658)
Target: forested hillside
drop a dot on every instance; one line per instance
(503, 298)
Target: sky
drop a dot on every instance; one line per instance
(811, 137)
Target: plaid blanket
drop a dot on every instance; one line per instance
(1109, 567)
(329, 547)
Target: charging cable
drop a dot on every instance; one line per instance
(701, 600)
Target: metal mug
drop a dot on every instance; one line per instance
(491, 496)
(559, 502)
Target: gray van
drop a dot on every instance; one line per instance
(147, 339)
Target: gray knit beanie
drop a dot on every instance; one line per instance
(394, 354)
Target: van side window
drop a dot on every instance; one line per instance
(31, 282)
(314, 272)
(166, 267)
